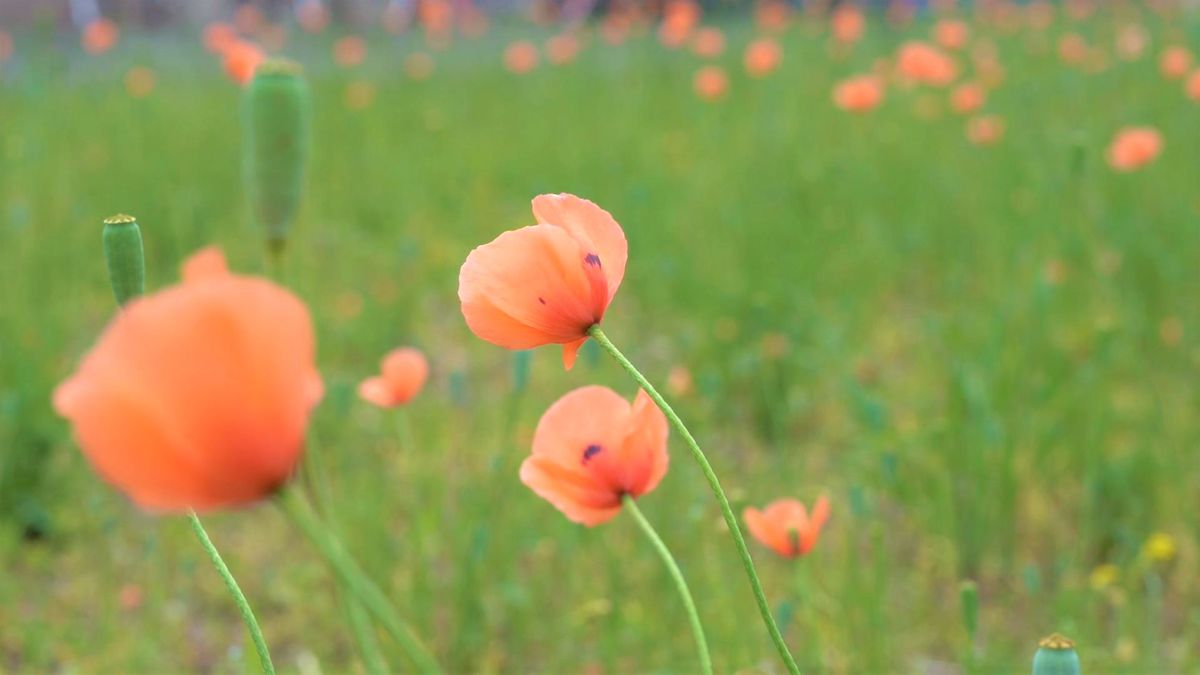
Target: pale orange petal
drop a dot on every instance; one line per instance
(206, 263)
(572, 493)
(375, 390)
(593, 227)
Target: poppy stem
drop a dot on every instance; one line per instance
(730, 520)
(680, 584)
(344, 566)
(260, 644)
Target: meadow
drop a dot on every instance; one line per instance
(985, 356)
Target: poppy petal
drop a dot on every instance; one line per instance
(595, 229)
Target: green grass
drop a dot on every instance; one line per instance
(974, 367)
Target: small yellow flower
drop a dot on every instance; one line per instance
(1104, 576)
(1160, 548)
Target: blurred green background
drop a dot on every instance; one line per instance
(985, 356)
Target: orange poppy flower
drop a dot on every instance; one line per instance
(6, 46)
(1134, 147)
(198, 396)
(762, 56)
(520, 57)
(951, 33)
(985, 129)
(968, 97)
(1131, 41)
(679, 19)
(218, 37)
(312, 16)
(1072, 49)
(402, 376)
(591, 448)
(708, 42)
(772, 15)
(99, 36)
(711, 83)
(242, 59)
(859, 93)
(349, 51)
(546, 283)
(1192, 86)
(847, 24)
(786, 527)
(1175, 62)
(562, 48)
(923, 63)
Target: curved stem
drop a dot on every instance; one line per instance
(344, 566)
(680, 583)
(260, 644)
(730, 520)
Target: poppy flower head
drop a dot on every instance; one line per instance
(591, 448)
(772, 16)
(403, 373)
(241, 60)
(350, 51)
(1175, 62)
(1134, 147)
(711, 83)
(312, 16)
(520, 57)
(562, 48)
(786, 527)
(546, 283)
(762, 56)
(708, 42)
(923, 63)
(968, 97)
(198, 396)
(99, 36)
(847, 24)
(985, 129)
(218, 37)
(680, 17)
(859, 93)
(951, 33)
(1192, 86)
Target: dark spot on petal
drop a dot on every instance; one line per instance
(590, 452)
(592, 259)
(541, 300)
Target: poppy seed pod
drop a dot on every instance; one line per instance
(1056, 656)
(124, 256)
(276, 120)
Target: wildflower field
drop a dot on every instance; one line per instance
(932, 274)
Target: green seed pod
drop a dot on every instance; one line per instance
(275, 125)
(968, 594)
(1056, 656)
(125, 258)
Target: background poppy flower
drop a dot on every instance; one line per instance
(198, 396)
(786, 527)
(711, 83)
(241, 60)
(762, 56)
(847, 24)
(520, 57)
(99, 36)
(1134, 147)
(547, 283)
(591, 448)
(858, 94)
(403, 373)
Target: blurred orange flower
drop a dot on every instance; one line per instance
(786, 527)
(1134, 147)
(710, 83)
(848, 24)
(591, 448)
(923, 63)
(6, 46)
(198, 396)
(402, 376)
(562, 48)
(951, 33)
(762, 56)
(219, 37)
(139, 81)
(859, 93)
(1192, 86)
(99, 36)
(680, 17)
(1072, 49)
(985, 129)
(1175, 62)
(546, 283)
(241, 60)
(968, 97)
(708, 42)
(520, 57)
(772, 16)
(350, 51)
(1131, 41)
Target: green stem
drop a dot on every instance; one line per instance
(680, 583)
(730, 520)
(344, 566)
(260, 645)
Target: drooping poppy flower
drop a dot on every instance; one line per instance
(951, 33)
(1175, 62)
(591, 448)
(520, 57)
(708, 42)
(786, 527)
(198, 396)
(99, 36)
(985, 129)
(762, 56)
(923, 63)
(546, 283)
(241, 60)
(1192, 86)
(847, 24)
(968, 98)
(859, 93)
(139, 81)
(350, 51)
(711, 83)
(219, 37)
(1134, 147)
(402, 376)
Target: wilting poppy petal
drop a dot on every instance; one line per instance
(786, 527)
(404, 372)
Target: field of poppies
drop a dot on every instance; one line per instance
(921, 283)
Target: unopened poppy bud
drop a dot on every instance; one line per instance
(968, 593)
(277, 109)
(1056, 656)
(125, 258)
